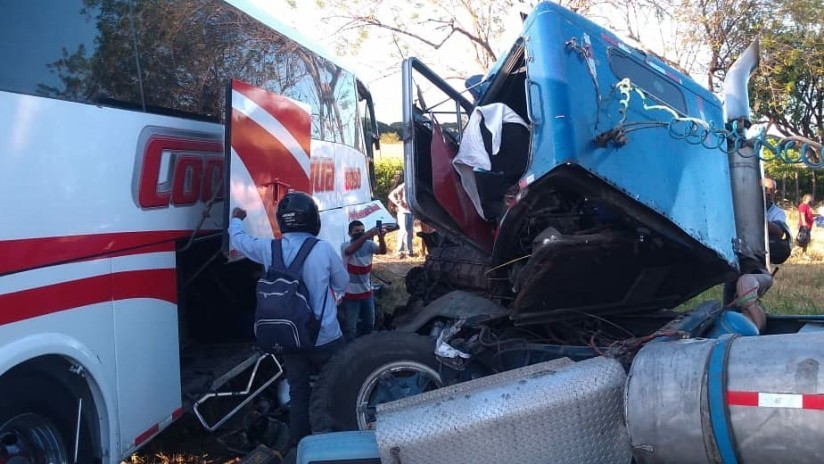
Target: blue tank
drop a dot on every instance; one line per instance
(733, 322)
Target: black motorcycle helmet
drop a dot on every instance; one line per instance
(298, 212)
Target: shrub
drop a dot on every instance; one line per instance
(390, 137)
(385, 169)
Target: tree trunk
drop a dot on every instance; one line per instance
(812, 181)
(783, 187)
(797, 197)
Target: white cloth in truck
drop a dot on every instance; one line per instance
(472, 155)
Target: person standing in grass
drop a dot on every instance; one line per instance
(805, 223)
(359, 301)
(405, 222)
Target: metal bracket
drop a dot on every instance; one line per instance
(245, 392)
(78, 370)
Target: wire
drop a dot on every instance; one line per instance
(696, 131)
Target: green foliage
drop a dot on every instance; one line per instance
(788, 88)
(385, 171)
(390, 133)
(390, 137)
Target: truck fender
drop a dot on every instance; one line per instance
(456, 305)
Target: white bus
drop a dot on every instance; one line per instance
(119, 309)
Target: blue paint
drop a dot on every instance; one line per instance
(339, 447)
(716, 394)
(733, 322)
(686, 183)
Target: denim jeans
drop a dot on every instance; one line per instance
(406, 233)
(299, 366)
(355, 310)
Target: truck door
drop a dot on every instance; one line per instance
(432, 122)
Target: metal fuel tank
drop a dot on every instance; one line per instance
(731, 400)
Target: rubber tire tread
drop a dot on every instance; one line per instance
(35, 394)
(332, 404)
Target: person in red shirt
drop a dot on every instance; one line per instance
(805, 222)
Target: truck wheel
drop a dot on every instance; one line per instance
(36, 423)
(374, 369)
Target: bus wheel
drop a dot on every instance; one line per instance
(374, 369)
(35, 422)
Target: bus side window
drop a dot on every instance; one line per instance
(69, 50)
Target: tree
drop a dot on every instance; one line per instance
(476, 27)
(789, 87)
(724, 30)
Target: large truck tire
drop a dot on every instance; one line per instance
(374, 369)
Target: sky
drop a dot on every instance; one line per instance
(373, 65)
(376, 66)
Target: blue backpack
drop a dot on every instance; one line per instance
(284, 320)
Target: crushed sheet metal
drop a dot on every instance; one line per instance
(558, 411)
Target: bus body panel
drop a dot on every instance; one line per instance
(101, 186)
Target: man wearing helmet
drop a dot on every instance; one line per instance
(323, 273)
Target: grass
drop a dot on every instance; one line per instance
(799, 282)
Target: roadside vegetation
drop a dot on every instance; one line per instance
(799, 282)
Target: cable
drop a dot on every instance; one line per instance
(696, 131)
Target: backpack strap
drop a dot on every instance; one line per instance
(303, 253)
(297, 268)
(277, 256)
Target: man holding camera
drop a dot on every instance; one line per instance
(359, 302)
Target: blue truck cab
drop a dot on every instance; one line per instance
(580, 191)
(616, 198)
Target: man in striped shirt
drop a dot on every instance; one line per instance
(359, 302)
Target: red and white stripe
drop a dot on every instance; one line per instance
(776, 400)
(147, 272)
(272, 136)
(260, 114)
(158, 427)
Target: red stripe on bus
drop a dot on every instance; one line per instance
(290, 115)
(147, 434)
(20, 255)
(159, 284)
(177, 414)
(271, 165)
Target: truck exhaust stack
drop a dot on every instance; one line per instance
(745, 166)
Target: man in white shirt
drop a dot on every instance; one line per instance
(324, 276)
(405, 222)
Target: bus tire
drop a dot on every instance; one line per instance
(382, 366)
(38, 418)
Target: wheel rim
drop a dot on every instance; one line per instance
(31, 439)
(391, 382)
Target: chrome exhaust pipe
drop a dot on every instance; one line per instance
(745, 167)
(736, 97)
